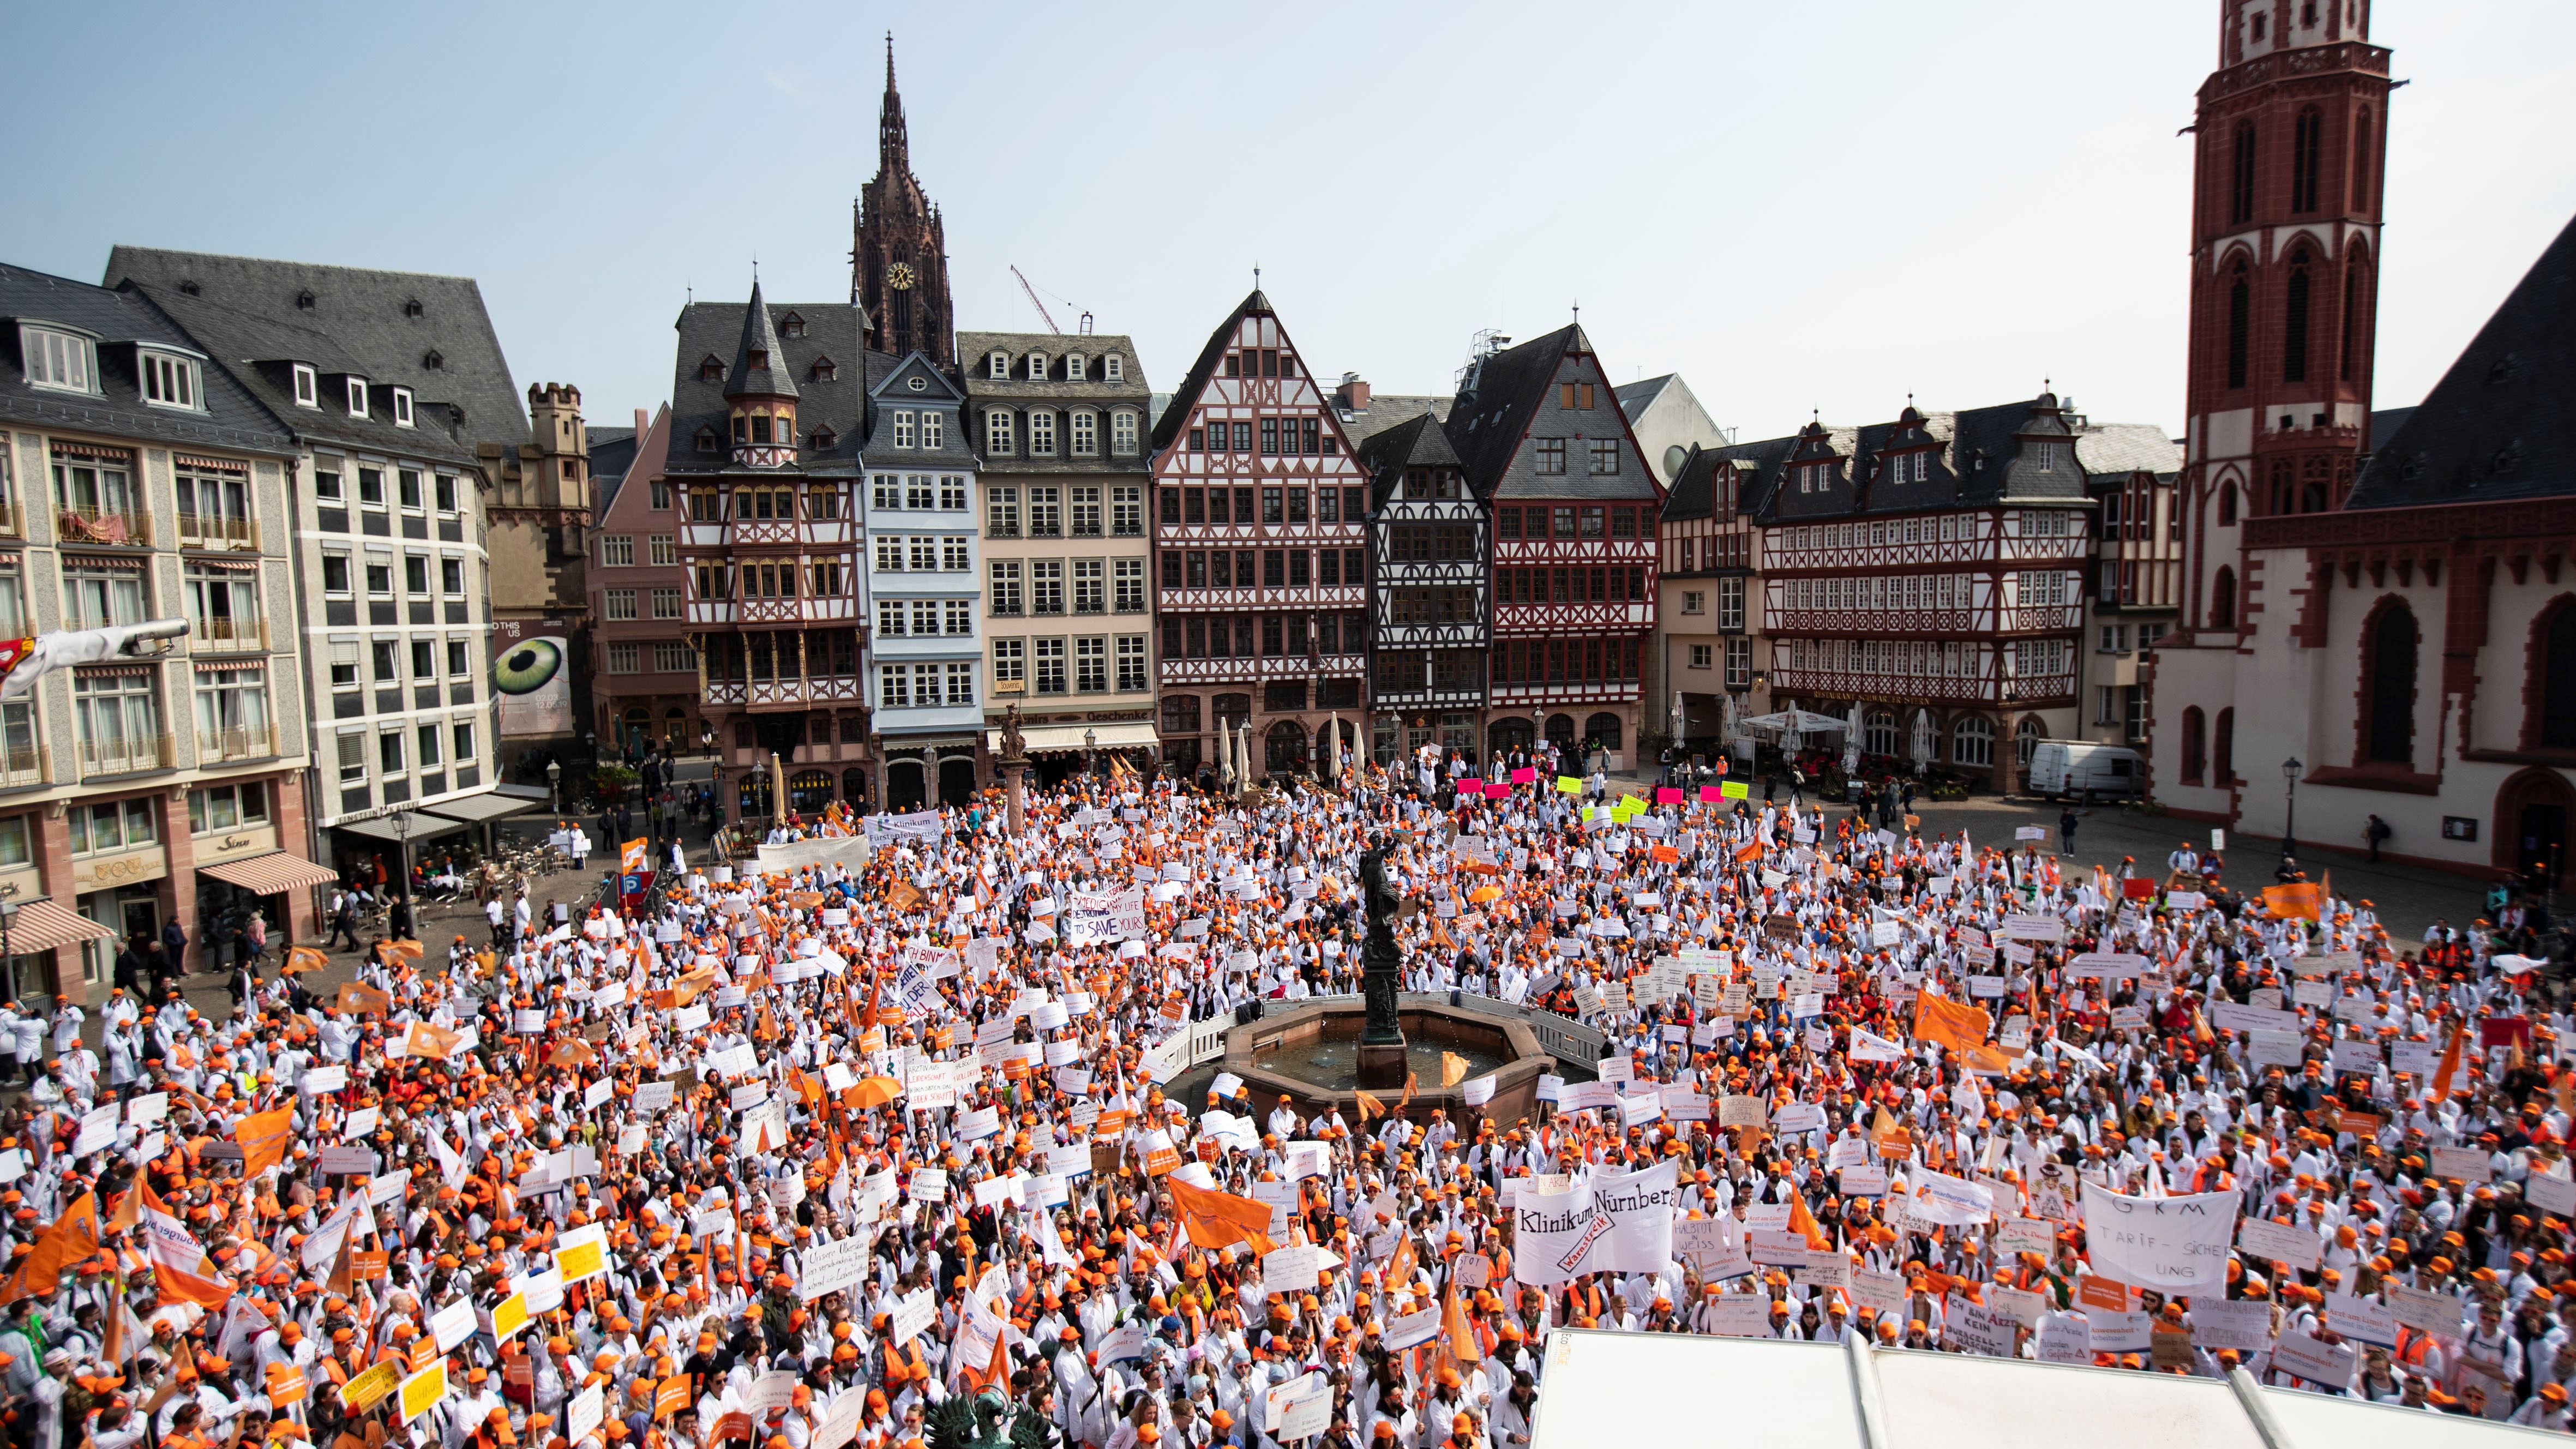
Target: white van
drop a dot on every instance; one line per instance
(2083, 769)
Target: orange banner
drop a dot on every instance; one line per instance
(264, 1138)
(1217, 1219)
(1955, 1025)
(2299, 901)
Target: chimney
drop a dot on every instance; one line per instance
(640, 425)
(1352, 395)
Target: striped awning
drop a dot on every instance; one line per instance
(42, 925)
(267, 875)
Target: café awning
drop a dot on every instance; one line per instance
(267, 875)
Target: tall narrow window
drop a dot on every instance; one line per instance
(2351, 318)
(2555, 661)
(2294, 321)
(2305, 142)
(2222, 599)
(2194, 745)
(2240, 318)
(2390, 672)
(2222, 748)
(2240, 180)
(2360, 199)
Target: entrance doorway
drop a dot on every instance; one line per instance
(905, 787)
(957, 780)
(2533, 810)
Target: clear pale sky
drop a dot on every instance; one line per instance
(1794, 205)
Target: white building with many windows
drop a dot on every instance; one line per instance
(924, 661)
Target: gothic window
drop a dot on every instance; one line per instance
(2240, 317)
(2305, 142)
(2388, 686)
(2222, 599)
(2552, 694)
(2361, 162)
(2240, 180)
(2294, 320)
(2194, 745)
(2351, 317)
(2226, 505)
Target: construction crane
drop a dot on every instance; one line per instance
(1034, 302)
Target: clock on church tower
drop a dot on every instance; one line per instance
(899, 252)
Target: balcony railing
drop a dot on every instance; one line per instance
(25, 765)
(207, 530)
(13, 519)
(229, 635)
(87, 523)
(126, 756)
(246, 742)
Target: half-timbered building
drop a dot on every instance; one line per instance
(1709, 613)
(767, 418)
(1547, 449)
(1261, 551)
(1931, 570)
(1428, 568)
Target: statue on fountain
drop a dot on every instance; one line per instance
(1381, 1047)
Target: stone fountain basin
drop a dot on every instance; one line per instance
(1255, 1053)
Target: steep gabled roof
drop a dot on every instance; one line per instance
(838, 405)
(1417, 442)
(1502, 392)
(2501, 424)
(1185, 395)
(427, 332)
(1694, 490)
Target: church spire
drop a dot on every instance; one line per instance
(893, 154)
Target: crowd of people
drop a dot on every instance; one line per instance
(890, 1136)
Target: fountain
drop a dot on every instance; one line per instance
(1325, 1052)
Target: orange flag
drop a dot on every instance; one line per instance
(1217, 1219)
(360, 999)
(2299, 900)
(74, 1236)
(264, 1137)
(1462, 1334)
(2449, 1067)
(1953, 1024)
(1803, 1223)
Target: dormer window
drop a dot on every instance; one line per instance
(412, 308)
(169, 381)
(1114, 368)
(756, 360)
(402, 407)
(933, 433)
(1073, 367)
(357, 397)
(707, 440)
(2043, 457)
(304, 300)
(308, 388)
(710, 370)
(64, 360)
(433, 359)
(825, 438)
(791, 325)
(824, 370)
(997, 365)
(1037, 367)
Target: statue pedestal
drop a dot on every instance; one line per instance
(1381, 1066)
(1015, 798)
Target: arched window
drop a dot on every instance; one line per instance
(2222, 749)
(2222, 599)
(1284, 748)
(1560, 731)
(2388, 685)
(2195, 745)
(2240, 179)
(808, 791)
(1180, 714)
(1602, 729)
(854, 786)
(2306, 140)
(2240, 322)
(2351, 321)
(2226, 505)
(1972, 741)
(1878, 732)
(2026, 739)
(2294, 321)
(2553, 686)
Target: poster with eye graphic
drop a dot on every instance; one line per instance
(532, 676)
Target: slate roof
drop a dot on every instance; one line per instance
(1636, 397)
(1981, 462)
(1417, 442)
(367, 313)
(230, 419)
(2501, 424)
(889, 383)
(258, 352)
(974, 347)
(2384, 423)
(1385, 410)
(1185, 396)
(715, 329)
(1504, 395)
(759, 365)
(1693, 493)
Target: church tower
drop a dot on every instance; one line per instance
(2289, 136)
(899, 260)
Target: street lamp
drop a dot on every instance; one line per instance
(2290, 818)
(401, 821)
(554, 784)
(1090, 752)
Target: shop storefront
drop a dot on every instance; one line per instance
(119, 890)
(241, 873)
